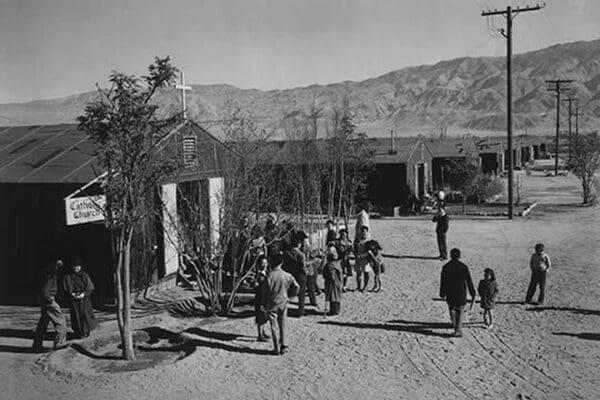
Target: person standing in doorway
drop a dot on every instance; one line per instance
(540, 265)
(280, 286)
(441, 229)
(79, 288)
(50, 311)
(454, 283)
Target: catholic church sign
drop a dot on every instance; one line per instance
(81, 210)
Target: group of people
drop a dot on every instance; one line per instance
(456, 279)
(289, 268)
(77, 287)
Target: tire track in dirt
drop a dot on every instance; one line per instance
(406, 336)
(515, 365)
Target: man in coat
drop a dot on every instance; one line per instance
(455, 281)
(50, 311)
(441, 228)
(295, 263)
(280, 286)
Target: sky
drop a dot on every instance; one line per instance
(55, 48)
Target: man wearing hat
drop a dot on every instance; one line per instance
(51, 311)
(441, 227)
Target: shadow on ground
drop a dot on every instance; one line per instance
(568, 309)
(582, 335)
(411, 257)
(416, 327)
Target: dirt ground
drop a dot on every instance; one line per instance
(388, 345)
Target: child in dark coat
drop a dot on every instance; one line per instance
(487, 291)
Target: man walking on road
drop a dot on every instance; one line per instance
(51, 311)
(455, 281)
(280, 285)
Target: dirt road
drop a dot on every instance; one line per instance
(388, 345)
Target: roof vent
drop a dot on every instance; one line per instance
(190, 152)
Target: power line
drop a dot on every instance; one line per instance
(570, 100)
(509, 14)
(556, 85)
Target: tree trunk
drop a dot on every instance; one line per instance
(464, 204)
(118, 281)
(127, 338)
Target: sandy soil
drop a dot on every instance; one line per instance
(387, 345)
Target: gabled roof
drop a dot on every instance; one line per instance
(452, 147)
(64, 154)
(318, 151)
(499, 143)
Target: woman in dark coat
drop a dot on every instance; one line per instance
(78, 287)
(261, 297)
(332, 273)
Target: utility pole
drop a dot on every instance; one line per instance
(577, 115)
(570, 100)
(556, 86)
(510, 13)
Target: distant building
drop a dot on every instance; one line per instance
(401, 167)
(42, 165)
(493, 152)
(448, 151)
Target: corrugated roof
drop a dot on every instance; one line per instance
(63, 154)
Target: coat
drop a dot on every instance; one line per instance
(332, 273)
(454, 282)
(487, 291)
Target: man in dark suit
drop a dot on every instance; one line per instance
(441, 228)
(455, 281)
(294, 262)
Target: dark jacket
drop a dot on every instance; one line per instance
(487, 291)
(442, 223)
(331, 236)
(49, 289)
(294, 262)
(455, 281)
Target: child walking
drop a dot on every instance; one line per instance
(487, 291)
(540, 265)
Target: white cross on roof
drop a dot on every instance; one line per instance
(183, 87)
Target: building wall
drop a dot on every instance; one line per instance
(419, 155)
(33, 232)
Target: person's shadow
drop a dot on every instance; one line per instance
(415, 327)
(25, 334)
(410, 257)
(582, 335)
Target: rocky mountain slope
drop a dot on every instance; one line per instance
(463, 94)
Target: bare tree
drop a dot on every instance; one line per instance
(585, 163)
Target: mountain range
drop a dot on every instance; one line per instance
(463, 95)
